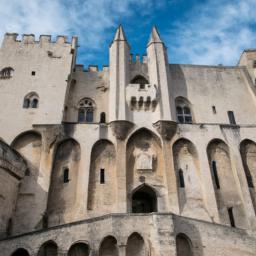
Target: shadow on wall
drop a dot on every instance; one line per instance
(26, 216)
(177, 87)
(63, 186)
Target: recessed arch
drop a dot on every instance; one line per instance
(49, 248)
(248, 155)
(102, 192)
(225, 183)
(62, 192)
(144, 199)
(79, 249)
(144, 162)
(136, 245)
(141, 80)
(183, 245)
(25, 133)
(108, 247)
(86, 110)
(20, 252)
(188, 179)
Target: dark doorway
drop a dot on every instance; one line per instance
(144, 200)
(20, 252)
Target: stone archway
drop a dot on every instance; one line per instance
(20, 252)
(144, 200)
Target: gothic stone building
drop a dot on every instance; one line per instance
(142, 158)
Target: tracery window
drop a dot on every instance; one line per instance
(86, 110)
(6, 73)
(183, 111)
(31, 100)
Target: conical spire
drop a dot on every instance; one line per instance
(154, 36)
(120, 35)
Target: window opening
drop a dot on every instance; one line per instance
(214, 110)
(33, 73)
(102, 117)
(102, 176)
(231, 117)
(215, 174)
(66, 175)
(231, 217)
(181, 178)
(34, 103)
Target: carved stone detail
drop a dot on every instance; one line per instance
(166, 129)
(121, 128)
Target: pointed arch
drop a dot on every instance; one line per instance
(225, 183)
(49, 248)
(144, 160)
(31, 100)
(248, 155)
(183, 110)
(62, 192)
(188, 176)
(144, 199)
(136, 245)
(102, 193)
(86, 110)
(183, 245)
(108, 246)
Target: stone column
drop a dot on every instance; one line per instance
(120, 130)
(122, 250)
(167, 129)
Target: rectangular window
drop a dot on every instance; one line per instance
(215, 174)
(102, 176)
(66, 175)
(231, 217)
(33, 73)
(231, 117)
(214, 110)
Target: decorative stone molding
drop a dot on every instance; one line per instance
(166, 129)
(121, 128)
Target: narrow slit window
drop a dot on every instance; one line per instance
(215, 174)
(231, 217)
(231, 117)
(214, 110)
(102, 176)
(181, 179)
(66, 175)
(102, 118)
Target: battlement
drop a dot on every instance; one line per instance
(137, 58)
(91, 68)
(11, 38)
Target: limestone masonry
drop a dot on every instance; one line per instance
(142, 158)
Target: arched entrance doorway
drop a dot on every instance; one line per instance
(144, 200)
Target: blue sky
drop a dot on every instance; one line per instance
(207, 32)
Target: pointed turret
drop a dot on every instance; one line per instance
(120, 35)
(154, 36)
(119, 54)
(158, 68)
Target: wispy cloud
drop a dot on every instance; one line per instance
(215, 32)
(91, 20)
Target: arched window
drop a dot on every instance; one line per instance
(6, 73)
(142, 81)
(183, 245)
(102, 118)
(31, 100)
(183, 111)
(85, 110)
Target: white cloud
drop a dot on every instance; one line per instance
(214, 33)
(89, 19)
